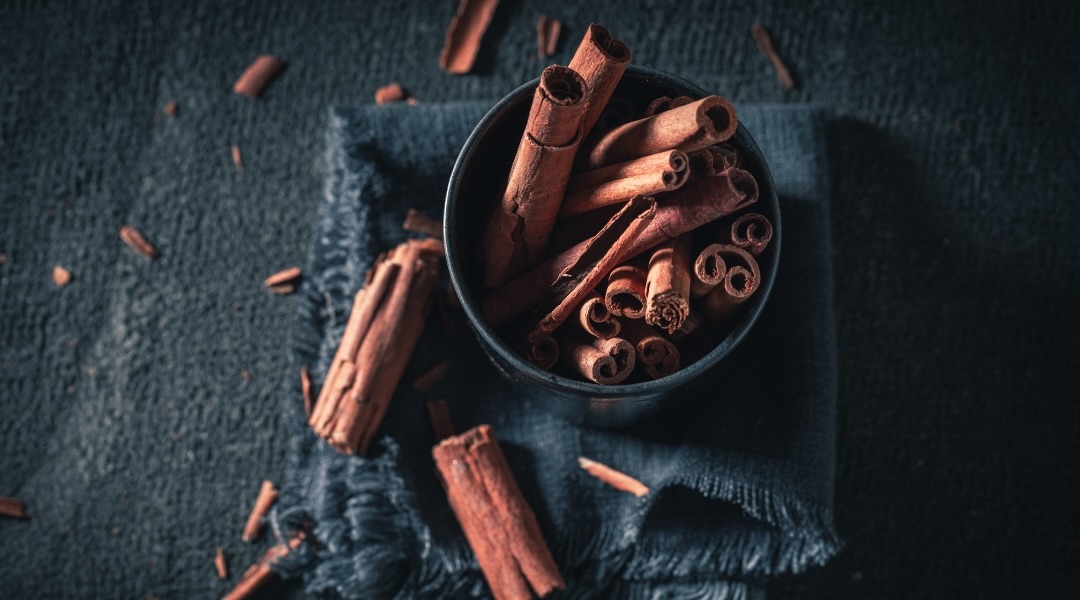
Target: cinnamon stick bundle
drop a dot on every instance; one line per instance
(646, 176)
(595, 318)
(657, 355)
(495, 517)
(667, 287)
(606, 362)
(538, 177)
(625, 294)
(601, 61)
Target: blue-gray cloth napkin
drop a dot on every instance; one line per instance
(741, 479)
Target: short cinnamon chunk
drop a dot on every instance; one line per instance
(497, 521)
(13, 507)
(220, 564)
(284, 282)
(138, 242)
(258, 73)
(267, 496)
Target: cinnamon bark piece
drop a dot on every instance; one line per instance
(542, 351)
(305, 391)
(725, 157)
(607, 362)
(625, 294)
(171, 108)
(390, 93)
(267, 496)
(517, 234)
(669, 160)
(14, 508)
(740, 282)
(594, 263)
(464, 33)
(709, 270)
(752, 232)
(601, 61)
(258, 73)
(764, 43)
(658, 105)
(432, 376)
(616, 479)
(138, 242)
(60, 276)
(658, 181)
(547, 35)
(667, 288)
(700, 124)
(418, 222)
(259, 573)
(681, 211)
(495, 517)
(595, 318)
(284, 281)
(702, 163)
(237, 159)
(385, 351)
(220, 564)
(656, 355)
(441, 423)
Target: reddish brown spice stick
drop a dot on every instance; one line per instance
(418, 222)
(495, 517)
(670, 160)
(614, 192)
(601, 61)
(237, 159)
(464, 33)
(220, 564)
(283, 282)
(441, 422)
(517, 234)
(625, 294)
(667, 288)
(255, 77)
(764, 43)
(595, 318)
(740, 282)
(607, 362)
(259, 573)
(390, 93)
(699, 124)
(540, 350)
(681, 211)
(753, 232)
(616, 479)
(656, 355)
(305, 391)
(432, 376)
(137, 242)
(267, 496)
(547, 35)
(709, 270)
(13, 507)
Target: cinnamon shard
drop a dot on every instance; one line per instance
(464, 33)
(237, 159)
(305, 390)
(418, 222)
(547, 35)
(390, 93)
(258, 73)
(616, 479)
(267, 496)
(61, 276)
(13, 507)
(496, 519)
(432, 376)
(220, 564)
(441, 423)
(170, 108)
(137, 242)
(764, 43)
(259, 573)
(283, 282)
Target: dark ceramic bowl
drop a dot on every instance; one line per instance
(477, 181)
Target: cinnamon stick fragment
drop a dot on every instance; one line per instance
(61, 276)
(259, 573)
(582, 200)
(237, 159)
(595, 318)
(753, 232)
(497, 521)
(601, 61)
(390, 93)
(14, 508)
(170, 108)
(220, 564)
(464, 33)
(258, 73)
(625, 294)
(432, 376)
(607, 362)
(541, 350)
(284, 281)
(418, 222)
(441, 423)
(764, 43)
(137, 242)
(616, 479)
(656, 355)
(267, 496)
(667, 288)
(547, 35)
(305, 391)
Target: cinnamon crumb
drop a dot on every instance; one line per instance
(237, 159)
(61, 276)
(220, 564)
(616, 479)
(170, 108)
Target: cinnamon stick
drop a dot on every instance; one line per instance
(517, 233)
(284, 281)
(13, 507)
(61, 276)
(547, 35)
(679, 212)
(464, 33)
(259, 573)
(667, 287)
(220, 564)
(601, 61)
(542, 351)
(237, 159)
(432, 376)
(668, 160)
(595, 318)
(656, 355)
(390, 93)
(658, 105)
(740, 282)
(764, 43)
(441, 423)
(618, 111)
(699, 124)
(258, 73)
(709, 270)
(616, 479)
(137, 242)
(665, 179)
(418, 222)
(495, 517)
(625, 295)
(752, 231)
(267, 496)
(607, 362)
(305, 391)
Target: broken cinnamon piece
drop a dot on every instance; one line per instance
(267, 496)
(600, 60)
(441, 423)
(547, 35)
(656, 355)
(700, 124)
(658, 105)
(709, 270)
(432, 376)
(170, 108)
(496, 519)
(13, 507)
(646, 176)
(220, 564)
(667, 287)
(260, 572)
(740, 282)
(237, 159)
(284, 281)
(542, 351)
(595, 318)
(390, 93)
(607, 362)
(752, 231)
(137, 242)
(764, 43)
(305, 391)
(599, 257)
(616, 479)
(464, 33)
(625, 294)
(702, 163)
(517, 233)
(61, 276)
(258, 73)
(418, 222)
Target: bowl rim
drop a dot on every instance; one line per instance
(641, 390)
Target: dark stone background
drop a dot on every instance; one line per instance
(127, 422)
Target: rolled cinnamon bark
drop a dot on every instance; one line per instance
(709, 270)
(601, 61)
(656, 174)
(740, 282)
(667, 287)
(625, 294)
(542, 351)
(752, 231)
(656, 355)
(681, 211)
(701, 163)
(725, 157)
(669, 160)
(595, 318)
(496, 519)
(699, 124)
(607, 362)
(658, 105)
(517, 233)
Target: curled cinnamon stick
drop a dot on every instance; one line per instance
(709, 270)
(764, 43)
(418, 222)
(667, 287)
(752, 231)
(725, 157)
(547, 35)
(658, 105)
(616, 479)
(258, 73)
(651, 175)
(656, 355)
(601, 61)
(625, 294)
(701, 163)
(739, 283)
(497, 521)
(595, 318)
(267, 496)
(13, 507)
(517, 233)
(618, 111)
(699, 124)
(137, 242)
(607, 362)
(464, 33)
(542, 351)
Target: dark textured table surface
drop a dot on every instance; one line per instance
(140, 404)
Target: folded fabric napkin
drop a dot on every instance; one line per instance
(741, 479)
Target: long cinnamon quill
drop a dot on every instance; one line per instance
(464, 33)
(647, 176)
(601, 61)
